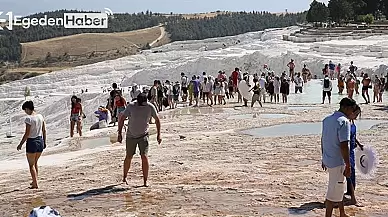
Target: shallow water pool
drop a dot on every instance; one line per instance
(95, 143)
(301, 108)
(302, 129)
(250, 116)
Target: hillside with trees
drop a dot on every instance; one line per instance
(10, 48)
(179, 27)
(341, 11)
(229, 24)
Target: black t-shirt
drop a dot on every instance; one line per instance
(112, 95)
(352, 68)
(256, 89)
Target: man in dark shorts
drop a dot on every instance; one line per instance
(139, 114)
(327, 88)
(366, 84)
(184, 86)
(112, 94)
(291, 66)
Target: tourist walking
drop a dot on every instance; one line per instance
(331, 69)
(327, 88)
(376, 89)
(256, 93)
(366, 84)
(335, 153)
(139, 114)
(350, 86)
(75, 116)
(298, 84)
(354, 143)
(35, 139)
(276, 86)
(291, 67)
(184, 86)
(285, 90)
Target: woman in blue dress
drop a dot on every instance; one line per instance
(351, 181)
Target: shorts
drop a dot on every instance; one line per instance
(365, 87)
(184, 90)
(176, 98)
(120, 110)
(35, 145)
(132, 143)
(205, 94)
(196, 94)
(75, 117)
(256, 98)
(328, 93)
(337, 184)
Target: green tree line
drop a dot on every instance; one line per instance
(347, 10)
(177, 26)
(229, 24)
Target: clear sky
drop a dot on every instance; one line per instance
(25, 7)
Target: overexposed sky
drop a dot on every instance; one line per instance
(25, 7)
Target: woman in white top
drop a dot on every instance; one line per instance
(276, 85)
(35, 136)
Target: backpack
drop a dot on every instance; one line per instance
(326, 83)
(174, 90)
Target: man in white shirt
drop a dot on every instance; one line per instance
(184, 85)
(298, 84)
(327, 88)
(262, 83)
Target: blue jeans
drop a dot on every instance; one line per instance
(351, 181)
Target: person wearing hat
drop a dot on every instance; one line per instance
(139, 114)
(327, 88)
(335, 153)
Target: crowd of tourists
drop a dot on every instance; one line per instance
(207, 90)
(338, 142)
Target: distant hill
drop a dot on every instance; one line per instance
(179, 27)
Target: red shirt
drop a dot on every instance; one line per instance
(235, 77)
(120, 103)
(76, 109)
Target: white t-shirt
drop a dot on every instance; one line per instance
(262, 82)
(184, 81)
(298, 82)
(208, 87)
(169, 89)
(330, 86)
(36, 123)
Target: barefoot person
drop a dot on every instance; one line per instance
(366, 84)
(75, 116)
(139, 114)
(35, 136)
(327, 88)
(351, 181)
(335, 153)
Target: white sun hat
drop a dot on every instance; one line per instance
(366, 161)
